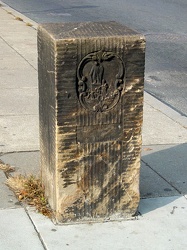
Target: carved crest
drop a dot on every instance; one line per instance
(100, 81)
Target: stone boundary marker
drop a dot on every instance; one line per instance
(91, 78)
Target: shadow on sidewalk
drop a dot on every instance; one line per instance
(163, 173)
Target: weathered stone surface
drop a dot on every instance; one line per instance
(91, 78)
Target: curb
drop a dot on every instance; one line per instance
(148, 98)
(18, 15)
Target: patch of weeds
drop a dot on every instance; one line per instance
(29, 24)
(30, 190)
(6, 168)
(19, 18)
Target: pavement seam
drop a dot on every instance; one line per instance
(11, 208)
(27, 213)
(17, 52)
(16, 88)
(162, 177)
(164, 113)
(15, 152)
(35, 228)
(162, 144)
(166, 109)
(16, 115)
(22, 206)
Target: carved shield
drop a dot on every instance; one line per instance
(100, 81)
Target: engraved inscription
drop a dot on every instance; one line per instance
(100, 81)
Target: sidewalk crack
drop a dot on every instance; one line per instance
(17, 52)
(35, 228)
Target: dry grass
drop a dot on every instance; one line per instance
(18, 18)
(30, 190)
(29, 24)
(6, 167)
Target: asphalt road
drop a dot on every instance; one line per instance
(163, 22)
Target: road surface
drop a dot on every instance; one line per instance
(163, 22)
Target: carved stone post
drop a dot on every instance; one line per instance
(91, 79)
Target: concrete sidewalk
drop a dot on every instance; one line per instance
(162, 223)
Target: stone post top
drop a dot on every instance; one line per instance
(87, 30)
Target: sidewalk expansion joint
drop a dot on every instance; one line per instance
(17, 52)
(170, 117)
(35, 228)
(16, 152)
(162, 177)
(161, 144)
(14, 115)
(165, 103)
(169, 111)
(11, 208)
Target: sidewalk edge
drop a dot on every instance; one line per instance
(17, 14)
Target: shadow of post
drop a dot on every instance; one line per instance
(163, 174)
